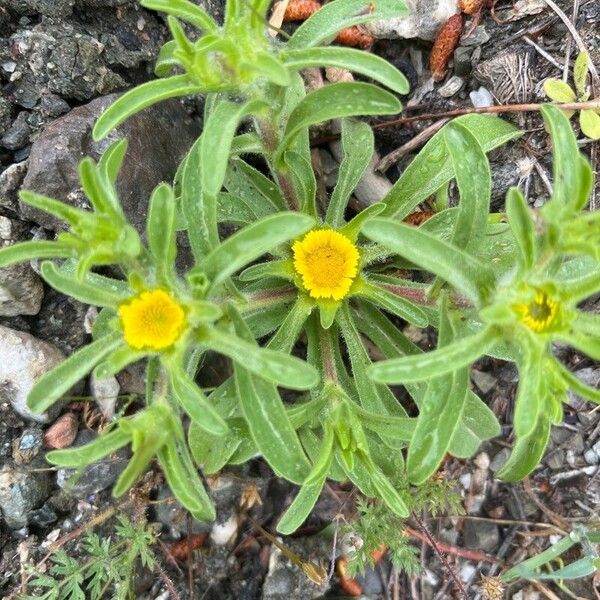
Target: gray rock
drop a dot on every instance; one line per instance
(23, 360)
(285, 580)
(47, 8)
(21, 291)
(28, 445)
(42, 517)
(10, 182)
(477, 38)
(5, 113)
(481, 535)
(95, 477)
(590, 376)
(53, 106)
(423, 21)
(451, 87)
(18, 134)
(462, 61)
(21, 492)
(159, 137)
(590, 457)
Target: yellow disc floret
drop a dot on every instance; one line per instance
(327, 261)
(152, 321)
(538, 315)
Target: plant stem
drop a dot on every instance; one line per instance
(503, 108)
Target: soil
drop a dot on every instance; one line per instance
(56, 56)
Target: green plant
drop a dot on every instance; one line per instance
(377, 527)
(299, 279)
(588, 565)
(559, 91)
(105, 565)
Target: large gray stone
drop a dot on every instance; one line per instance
(158, 138)
(20, 492)
(21, 290)
(23, 360)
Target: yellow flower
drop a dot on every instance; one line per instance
(327, 261)
(153, 321)
(538, 315)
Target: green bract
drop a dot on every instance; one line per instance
(305, 294)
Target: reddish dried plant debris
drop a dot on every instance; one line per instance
(349, 586)
(353, 36)
(419, 217)
(183, 548)
(62, 433)
(470, 7)
(300, 10)
(444, 46)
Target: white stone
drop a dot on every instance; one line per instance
(23, 360)
(423, 21)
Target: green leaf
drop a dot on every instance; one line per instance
(351, 59)
(478, 424)
(93, 289)
(466, 273)
(82, 456)
(579, 387)
(590, 124)
(188, 11)
(580, 340)
(523, 228)
(385, 489)
(270, 427)
(526, 453)
(549, 555)
(432, 167)
(352, 229)
(529, 403)
(334, 101)
(65, 212)
(166, 61)
(184, 481)
(309, 493)
(559, 91)
(254, 188)
(111, 160)
(117, 361)
(252, 242)
(279, 368)
(267, 418)
(194, 402)
(289, 331)
(141, 97)
(565, 154)
(160, 231)
(431, 364)
(323, 25)
(358, 143)
(270, 67)
(472, 172)
(580, 73)
(576, 570)
(304, 181)
(52, 385)
(401, 307)
(440, 413)
(26, 251)
(372, 397)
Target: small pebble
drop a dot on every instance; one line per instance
(451, 87)
(481, 98)
(590, 457)
(27, 446)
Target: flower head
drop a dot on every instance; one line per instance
(539, 315)
(327, 261)
(153, 320)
